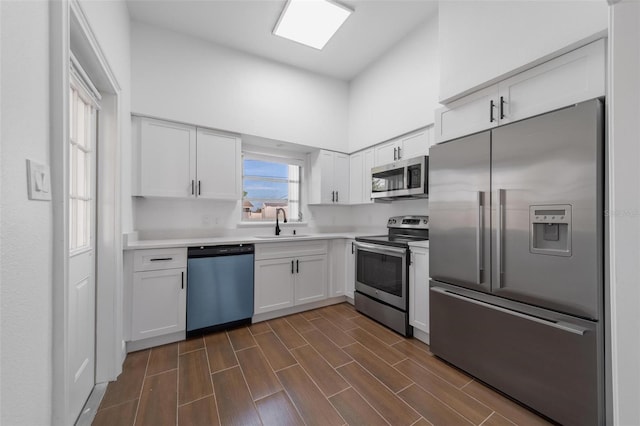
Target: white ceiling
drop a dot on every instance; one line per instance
(246, 25)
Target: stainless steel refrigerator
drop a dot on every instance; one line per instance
(516, 260)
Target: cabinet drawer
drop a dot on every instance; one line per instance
(290, 249)
(155, 259)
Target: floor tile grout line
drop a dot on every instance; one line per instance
(253, 402)
(178, 387)
(284, 389)
(421, 418)
(142, 387)
(447, 405)
(485, 420)
(244, 349)
(213, 389)
(298, 331)
(197, 399)
(284, 368)
(362, 396)
(406, 387)
(281, 341)
(339, 392)
(161, 372)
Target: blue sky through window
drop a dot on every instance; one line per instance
(265, 181)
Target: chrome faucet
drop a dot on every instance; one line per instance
(278, 210)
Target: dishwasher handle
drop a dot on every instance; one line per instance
(225, 250)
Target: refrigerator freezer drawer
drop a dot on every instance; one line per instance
(553, 367)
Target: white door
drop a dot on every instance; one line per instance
(341, 178)
(82, 227)
(356, 184)
(273, 288)
(415, 145)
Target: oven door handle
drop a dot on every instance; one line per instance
(376, 248)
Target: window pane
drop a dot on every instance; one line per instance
(82, 174)
(269, 186)
(81, 223)
(81, 126)
(72, 228)
(73, 173)
(266, 189)
(265, 169)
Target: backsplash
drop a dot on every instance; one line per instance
(158, 218)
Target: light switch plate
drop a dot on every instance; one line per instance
(38, 181)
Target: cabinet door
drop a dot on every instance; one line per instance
(311, 279)
(386, 153)
(468, 115)
(419, 289)
(350, 267)
(218, 166)
(341, 178)
(338, 265)
(414, 145)
(571, 78)
(158, 303)
(166, 159)
(356, 178)
(273, 285)
(327, 191)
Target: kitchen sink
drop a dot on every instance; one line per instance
(282, 236)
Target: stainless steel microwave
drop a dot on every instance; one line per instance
(401, 179)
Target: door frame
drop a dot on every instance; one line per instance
(69, 27)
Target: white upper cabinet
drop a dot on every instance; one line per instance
(568, 79)
(165, 154)
(470, 114)
(219, 169)
(360, 164)
(329, 177)
(408, 146)
(177, 160)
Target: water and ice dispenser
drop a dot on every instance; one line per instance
(550, 227)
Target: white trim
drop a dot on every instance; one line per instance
(83, 78)
(273, 158)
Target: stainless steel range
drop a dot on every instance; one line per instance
(382, 272)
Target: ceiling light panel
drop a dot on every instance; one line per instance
(311, 22)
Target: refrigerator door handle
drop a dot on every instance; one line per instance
(499, 229)
(560, 325)
(480, 239)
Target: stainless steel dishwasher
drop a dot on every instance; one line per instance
(219, 287)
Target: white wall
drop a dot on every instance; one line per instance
(398, 93)
(186, 79)
(480, 41)
(25, 226)
(624, 210)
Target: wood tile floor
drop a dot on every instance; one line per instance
(329, 366)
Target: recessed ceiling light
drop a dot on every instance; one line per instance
(311, 22)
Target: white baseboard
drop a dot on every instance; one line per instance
(297, 309)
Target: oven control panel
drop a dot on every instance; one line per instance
(415, 222)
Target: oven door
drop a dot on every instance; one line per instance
(381, 272)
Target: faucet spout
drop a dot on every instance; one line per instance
(278, 210)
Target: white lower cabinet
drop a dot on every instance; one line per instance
(419, 292)
(274, 282)
(155, 296)
(350, 283)
(290, 274)
(158, 303)
(310, 279)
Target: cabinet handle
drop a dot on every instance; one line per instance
(192, 187)
(182, 279)
(292, 266)
(337, 196)
(158, 259)
(491, 106)
(198, 187)
(502, 108)
(399, 154)
(394, 154)
(352, 249)
(333, 196)
(297, 266)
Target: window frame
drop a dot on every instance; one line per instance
(280, 158)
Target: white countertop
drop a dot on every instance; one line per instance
(210, 241)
